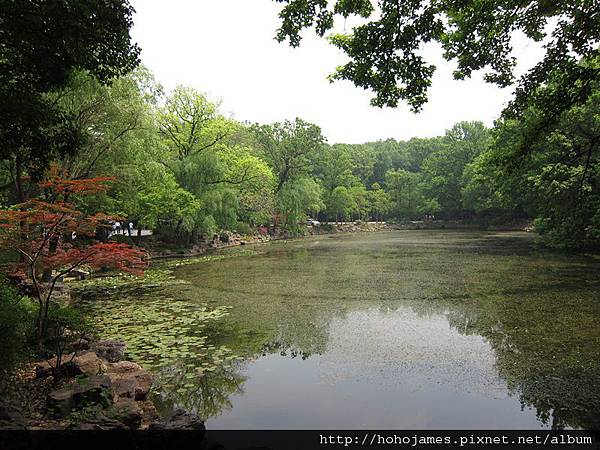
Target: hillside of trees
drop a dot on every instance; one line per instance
(76, 103)
(185, 170)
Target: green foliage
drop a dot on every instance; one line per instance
(555, 179)
(66, 325)
(17, 327)
(386, 51)
(253, 182)
(289, 148)
(379, 202)
(360, 201)
(41, 44)
(187, 172)
(443, 170)
(244, 229)
(296, 199)
(404, 193)
(341, 203)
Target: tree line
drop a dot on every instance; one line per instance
(74, 99)
(184, 169)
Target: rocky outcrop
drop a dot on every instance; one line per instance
(125, 414)
(85, 363)
(94, 390)
(130, 379)
(179, 420)
(112, 351)
(128, 412)
(117, 390)
(116, 393)
(100, 423)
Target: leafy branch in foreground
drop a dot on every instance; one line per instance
(386, 50)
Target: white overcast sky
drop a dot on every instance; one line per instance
(225, 48)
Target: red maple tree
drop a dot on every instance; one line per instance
(43, 232)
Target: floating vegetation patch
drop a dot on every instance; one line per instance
(170, 336)
(172, 264)
(160, 274)
(158, 331)
(124, 284)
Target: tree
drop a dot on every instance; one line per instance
(341, 203)
(254, 184)
(379, 201)
(443, 169)
(492, 192)
(403, 188)
(386, 50)
(190, 124)
(360, 201)
(204, 162)
(289, 147)
(296, 199)
(42, 231)
(41, 44)
(159, 203)
(333, 166)
(112, 119)
(559, 177)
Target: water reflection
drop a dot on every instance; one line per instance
(401, 329)
(392, 369)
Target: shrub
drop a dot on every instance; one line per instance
(66, 327)
(17, 325)
(541, 225)
(244, 229)
(327, 227)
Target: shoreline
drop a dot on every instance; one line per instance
(237, 240)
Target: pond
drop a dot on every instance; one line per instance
(399, 329)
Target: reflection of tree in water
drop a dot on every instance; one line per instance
(207, 394)
(285, 349)
(550, 369)
(302, 334)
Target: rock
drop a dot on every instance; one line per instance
(80, 346)
(124, 388)
(61, 402)
(87, 363)
(144, 380)
(149, 413)
(126, 411)
(112, 351)
(179, 420)
(122, 367)
(101, 423)
(89, 391)
(124, 373)
(11, 418)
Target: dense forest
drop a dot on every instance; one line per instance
(75, 106)
(185, 170)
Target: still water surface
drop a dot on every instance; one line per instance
(407, 329)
